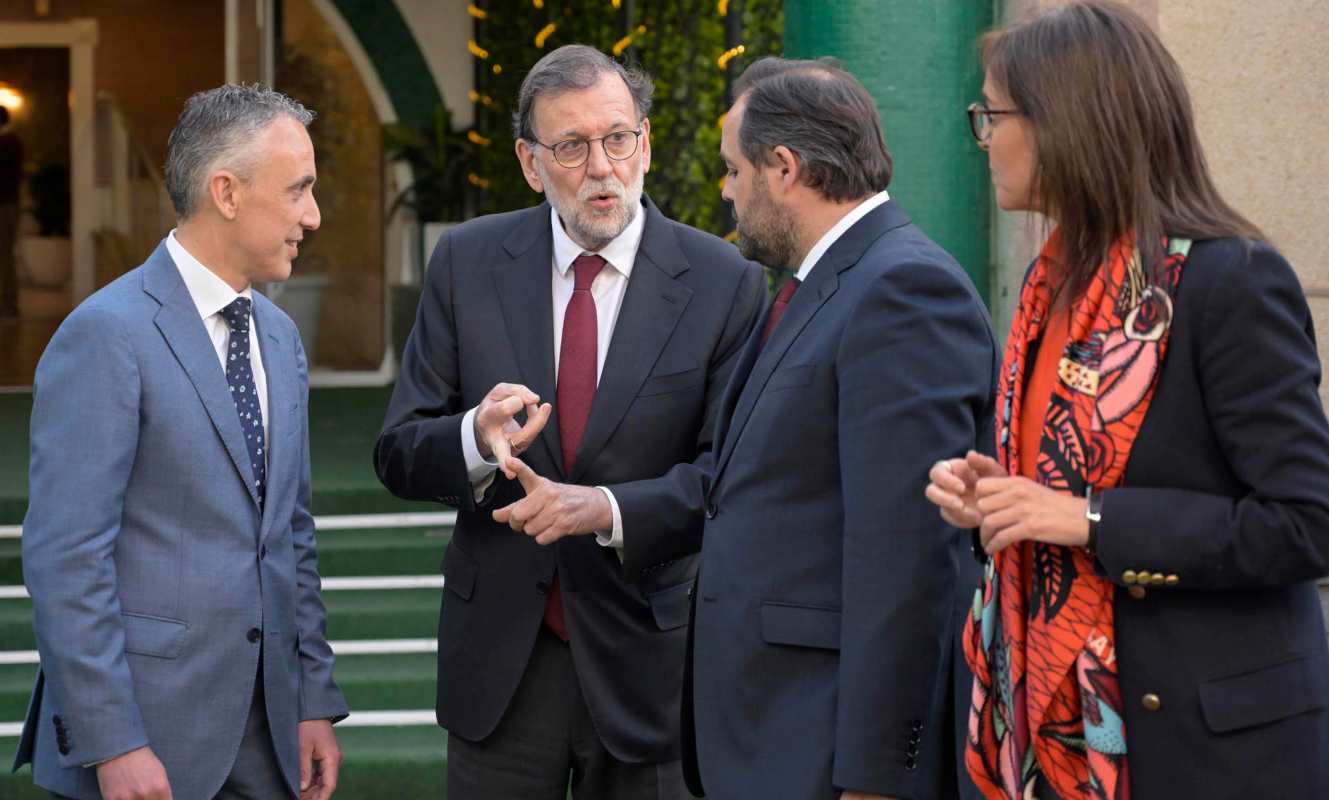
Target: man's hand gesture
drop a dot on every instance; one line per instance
(550, 511)
(498, 437)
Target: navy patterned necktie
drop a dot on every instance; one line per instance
(240, 377)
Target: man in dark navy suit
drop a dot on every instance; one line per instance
(824, 659)
(619, 328)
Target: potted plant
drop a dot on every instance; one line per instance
(48, 257)
(440, 159)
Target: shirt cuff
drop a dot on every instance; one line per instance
(479, 470)
(612, 538)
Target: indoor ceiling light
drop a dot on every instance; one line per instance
(10, 98)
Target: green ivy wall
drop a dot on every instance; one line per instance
(679, 46)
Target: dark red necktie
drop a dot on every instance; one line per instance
(778, 307)
(578, 354)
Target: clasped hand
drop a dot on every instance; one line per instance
(976, 492)
(497, 434)
(549, 511)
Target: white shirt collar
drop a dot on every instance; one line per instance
(210, 293)
(620, 253)
(837, 230)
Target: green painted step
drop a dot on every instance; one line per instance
(389, 614)
(16, 625)
(15, 409)
(15, 687)
(381, 682)
(364, 614)
(388, 551)
(375, 552)
(11, 568)
(388, 682)
(378, 763)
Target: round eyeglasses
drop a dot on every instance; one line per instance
(980, 120)
(572, 153)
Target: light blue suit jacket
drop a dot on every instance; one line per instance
(145, 551)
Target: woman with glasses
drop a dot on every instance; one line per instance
(1158, 508)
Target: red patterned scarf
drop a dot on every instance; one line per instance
(1040, 638)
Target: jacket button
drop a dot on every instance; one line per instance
(910, 764)
(57, 720)
(1151, 702)
(254, 634)
(711, 511)
(918, 726)
(1136, 592)
(542, 587)
(1129, 577)
(64, 749)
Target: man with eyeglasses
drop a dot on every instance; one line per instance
(560, 388)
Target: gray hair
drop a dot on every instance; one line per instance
(214, 130)
(574, 67)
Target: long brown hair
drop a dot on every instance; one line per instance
(1114, 130)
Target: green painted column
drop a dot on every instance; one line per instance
(919, 59)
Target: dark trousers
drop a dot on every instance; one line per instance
(546, 743)
(256, 774)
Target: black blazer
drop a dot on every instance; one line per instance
(830, 592)
(1227, 490)
(486, 316)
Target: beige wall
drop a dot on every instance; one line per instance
(1259, 77)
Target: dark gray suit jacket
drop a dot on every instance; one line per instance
(486, 317)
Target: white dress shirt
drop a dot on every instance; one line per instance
(837, 230)
(210, 295)
(607, 290)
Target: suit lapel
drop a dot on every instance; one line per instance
(525, 294)
(180, 325)
(282, 379)
(810, 297)
(822, 282)
(652, 305)
(737, 380)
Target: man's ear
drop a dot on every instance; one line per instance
(788, 166)
(526, 157)
(645, 145)
(224, 190)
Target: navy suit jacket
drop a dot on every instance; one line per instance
(1228, 490)
(824, 652)
(485, 318)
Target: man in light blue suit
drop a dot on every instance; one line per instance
(168, 544)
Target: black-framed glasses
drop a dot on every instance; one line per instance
(572, 153)
(980, 120)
